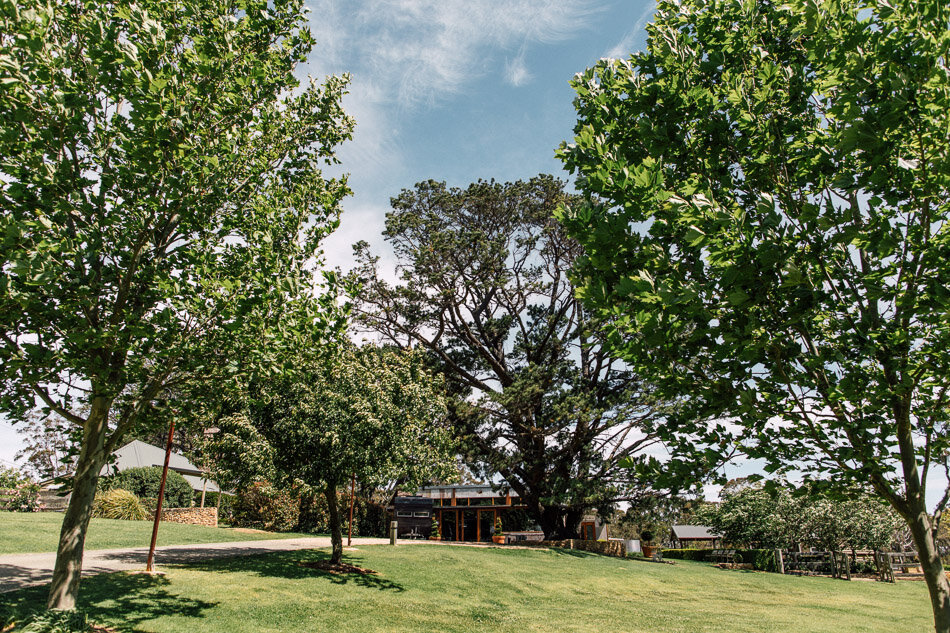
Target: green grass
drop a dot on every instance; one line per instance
(28, 532)
(462, 589)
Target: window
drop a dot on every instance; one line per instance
(403, 513)
(422, 513)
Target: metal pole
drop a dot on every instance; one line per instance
(349, 537)
(161, 493)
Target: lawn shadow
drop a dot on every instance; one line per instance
(117, 598)
(287, 565)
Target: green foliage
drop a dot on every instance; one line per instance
(759, 559)
(144, 482)
(25, 497)
(57, 621)
(163, 205)
(484, 291)
(11, 477)
(773, 237)
(780, 518)
(498, 526)
(265, 507)
(118, 503)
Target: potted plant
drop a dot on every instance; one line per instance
(435, 534)
(646, 542)
(498, 536)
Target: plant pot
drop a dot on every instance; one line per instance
(435, 538)
(498, 538)
(648, 550)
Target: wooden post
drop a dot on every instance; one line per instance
(779, 561)
(349, 536)
(161, 493)
(393, 532)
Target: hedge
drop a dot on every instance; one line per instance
(144, 482)
(761, 559)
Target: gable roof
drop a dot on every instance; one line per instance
(699, 532)
(136, 454)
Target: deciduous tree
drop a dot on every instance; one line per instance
(161, 208)
(376, 414)
(773, 245)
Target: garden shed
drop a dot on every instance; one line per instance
(693, 535)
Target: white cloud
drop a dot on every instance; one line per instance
(516, 70)
(623, 48)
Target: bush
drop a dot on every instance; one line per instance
(24, 498)
(119, 504)
(144, 482)
(761, 559)
(57, 621)
(687, 554)
(264, 507)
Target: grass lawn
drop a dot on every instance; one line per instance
(28, 532)
(463, 589)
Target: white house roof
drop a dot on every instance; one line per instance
(136, 454)
(699, 532)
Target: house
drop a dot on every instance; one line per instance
(468, 513)
(692, 535)
(136, 454)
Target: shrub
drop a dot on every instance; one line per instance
(264, 507)
(119, 504)
(144, 482)
(24, 498)
(56, 621)
(498, 526)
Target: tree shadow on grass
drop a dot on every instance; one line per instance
(287, 565)
(117, 598)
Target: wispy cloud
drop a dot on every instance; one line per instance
(625, 46)
(516, 70)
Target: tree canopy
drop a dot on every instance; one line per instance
(484, 290)
(162, 208)
(773, 244)
(372, 413)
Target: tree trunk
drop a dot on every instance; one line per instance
(64, 587)
(559, 523)
(336, 529)
(929, 556)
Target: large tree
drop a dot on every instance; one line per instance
(484, 289)
(374, 414)
(773, 245)
(161, 206)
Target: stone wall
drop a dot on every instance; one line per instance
(607, 548)
(192, 516)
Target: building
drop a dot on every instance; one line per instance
(468, 513)
(693, 535)
(136, 454)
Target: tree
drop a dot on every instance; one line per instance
(49, 448)
(773, 244)
(162, 207)
(372, 413)
(484, 291)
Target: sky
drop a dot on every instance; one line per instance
(454, 90)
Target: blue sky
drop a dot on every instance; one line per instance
(458, 90)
